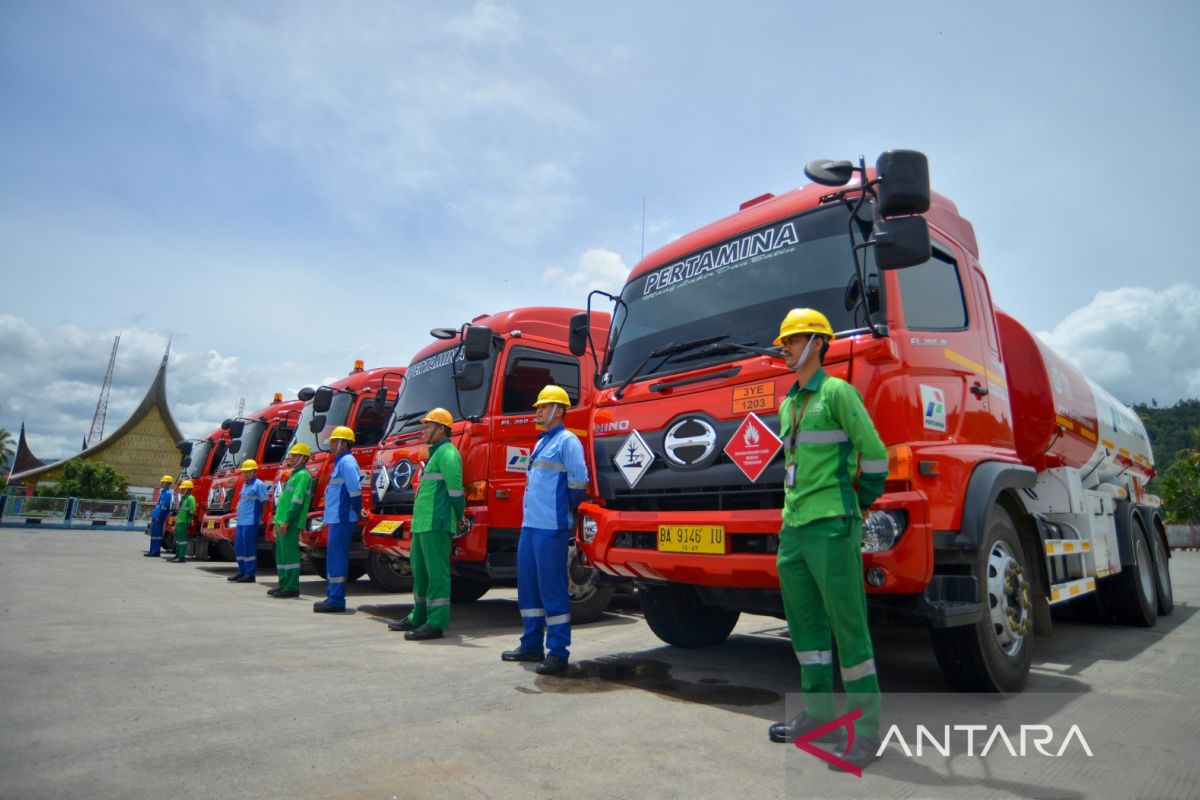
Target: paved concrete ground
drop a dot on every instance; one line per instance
(123, 677)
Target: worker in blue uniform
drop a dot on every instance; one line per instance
(158, 517)
(555, 485)
(343, 507)
(251, 499)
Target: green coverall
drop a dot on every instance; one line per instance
(183, 521)
(292, 510)
(820, 543)
(436, 512)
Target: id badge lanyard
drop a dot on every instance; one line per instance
(790, 475)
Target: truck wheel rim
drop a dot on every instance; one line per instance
(1160, 564)
(1008, 599)
(581, 580)
(1145, 575)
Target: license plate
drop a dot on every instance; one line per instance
(212, 523)
(691, 539)
(387, 526)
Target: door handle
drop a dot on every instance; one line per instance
(978, 389)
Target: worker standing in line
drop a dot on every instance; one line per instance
(836, 467)
(291, 515)
(253, 495)
(158, 517)
(183, 521)
(343, 507)
(555, 485)
(437, 514)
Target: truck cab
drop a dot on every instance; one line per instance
(363, 401)
(487, 374)
(198, 462)
(983, 427)
(263, 436)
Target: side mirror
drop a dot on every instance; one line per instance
(322, 399)
(829, 173)
(577, 334)
(185, 448)
(901, 242)
(225, 424)
(234, 446)
(185, 462)
(477, 343)
(470, 378)
(379, 405)
(903, 183)
(306, 394)
(317, 423)
(236, 426)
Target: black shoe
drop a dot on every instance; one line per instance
(248, 579)
(280, 594)
(799, 725)
(553, 665)
(861, 753)
(273, 592)
(401, 625)
(424, 632)
(175, 560)
(234, 578)
(521, 655)
(150, 555)
(321, 607)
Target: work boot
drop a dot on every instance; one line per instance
(273, 592)
(235, 578)
(799, 725)
(402, 625)
(280, 594)
(553, 665)
(150, 555)
(175, 560)
(424, 632)
(521, 655)
(322, 607)
(861, 753)
(247, 579)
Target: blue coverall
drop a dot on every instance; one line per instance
(249, 519)
(158, 519)
(343, 506)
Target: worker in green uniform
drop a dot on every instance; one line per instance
(183, 521)
(291, 515)
(836, 466)
(437, 514)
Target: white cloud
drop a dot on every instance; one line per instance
(487, 23)
(597, 269)
(1136, 342)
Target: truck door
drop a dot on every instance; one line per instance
(944, 353)
(526, 371)
(999, 403)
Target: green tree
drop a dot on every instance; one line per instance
(8, 447)
(1180, 484)
(94, 480)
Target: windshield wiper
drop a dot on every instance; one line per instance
(665, 352)
(724, 350)
(403, 419)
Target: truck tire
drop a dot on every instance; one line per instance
(589, 599)
(389, 573)
(356, 571)
(1162, 576)
(467, 590)
(1132, 593)
(994, 654)
(225, 551)
(679, 617)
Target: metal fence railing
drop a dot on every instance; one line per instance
(74, 512)
(1183, 537)
(101, 513)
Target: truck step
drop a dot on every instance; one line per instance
(1067, 547)
(1077, 588)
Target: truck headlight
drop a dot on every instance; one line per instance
(316, 523)
(231, 522)
(588, 529)
(882, 529)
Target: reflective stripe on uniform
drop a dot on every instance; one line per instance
(822, 437)
(543, 463)
(418, 600)
(431, 476)
(441, 601)
(558, 619)
(297, 500)
(287, 566)
(576, 484)
(859, 671)
(813, 657)
(874, 465)
(455, 492)
(338, 580)
(533, 612)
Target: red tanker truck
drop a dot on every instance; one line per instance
(1014, 483)
(198, 462)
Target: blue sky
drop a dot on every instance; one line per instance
(284, 187)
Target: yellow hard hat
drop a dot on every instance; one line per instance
(439, 415)
(552, 394)
(300, 449)
(249, 464)
(342, 432)
(185, 485)
(804, 320)
(166, 479)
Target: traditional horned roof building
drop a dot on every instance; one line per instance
(143, 448)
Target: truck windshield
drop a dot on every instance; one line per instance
(251, 435)
(429, 384)
(738, 289)
(199, 454)
(339, 411)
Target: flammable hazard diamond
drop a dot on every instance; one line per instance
(752, 446)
